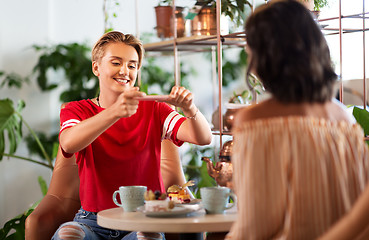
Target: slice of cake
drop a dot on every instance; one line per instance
(157, 205)
(157, 202)
(179, 194)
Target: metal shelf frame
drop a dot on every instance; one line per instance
(217, 42)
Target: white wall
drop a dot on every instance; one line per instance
(22, 24)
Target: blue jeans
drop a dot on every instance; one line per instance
(87, 222)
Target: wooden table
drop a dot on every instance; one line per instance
(196, 222)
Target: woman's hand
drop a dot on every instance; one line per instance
(183, 98)
(196, 128)
(126, 104)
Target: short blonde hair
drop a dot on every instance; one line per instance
(98, 50)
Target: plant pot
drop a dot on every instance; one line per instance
(165, 23)
(205, 23)
(316, 14)
(180, 22)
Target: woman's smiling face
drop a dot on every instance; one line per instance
(117, 69)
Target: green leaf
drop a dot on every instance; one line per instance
(206, 180)
(11, 122)
(362, 117)
(13, 80)
(2, 145)
(14, 228)
(12, 142)
(49, 142)
(43, 185)
(55, 150)
(74, 61)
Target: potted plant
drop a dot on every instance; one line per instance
(204, 23)
(315, 5)
(164, 22)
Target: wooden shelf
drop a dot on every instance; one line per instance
(224, 132)
(196, 43)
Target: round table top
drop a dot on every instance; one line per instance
(116, 218)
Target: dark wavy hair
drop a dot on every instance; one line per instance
(289, 53)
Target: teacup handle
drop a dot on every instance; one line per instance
(234, 198)
(115, 199)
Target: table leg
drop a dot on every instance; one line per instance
(191, 236)
(216, 235)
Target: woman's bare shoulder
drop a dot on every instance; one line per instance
(251, 112)
(332, 110)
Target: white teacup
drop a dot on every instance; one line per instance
(215, 199)
(131, 197)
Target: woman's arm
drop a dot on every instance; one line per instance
(196, 128)
(84, 133)
(170, 165)
(353, 223)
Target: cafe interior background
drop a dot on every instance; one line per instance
(50, 22)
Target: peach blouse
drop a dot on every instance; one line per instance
(296, 176)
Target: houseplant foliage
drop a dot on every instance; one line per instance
(233, 67)
(74, 60)
(362, 117)
(110, 8)
(234, 9)
(11, 80)
(11, 124)
(318, 4)
(154, 75)
(165, 2)
(197, 170)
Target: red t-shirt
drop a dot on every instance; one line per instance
(127, 153)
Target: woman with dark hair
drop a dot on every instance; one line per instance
(300, 161)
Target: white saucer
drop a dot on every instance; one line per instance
(176, 211)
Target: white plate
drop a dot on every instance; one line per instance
(159, 98)
(176, 211)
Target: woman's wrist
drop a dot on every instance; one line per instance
(193, 116)
(191, 113)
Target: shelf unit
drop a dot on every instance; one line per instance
(208, 43)
(197, 43)
(340, 31)
(202, 43)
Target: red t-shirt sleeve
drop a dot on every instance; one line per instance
(69, 117)
(171, 123)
